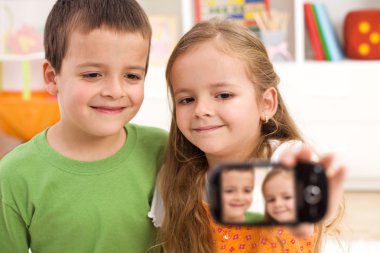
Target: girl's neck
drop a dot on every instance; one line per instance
(214, 160)
(240, 154)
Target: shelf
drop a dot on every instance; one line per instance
(21, 57)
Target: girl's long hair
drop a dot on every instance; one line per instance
(186, 227)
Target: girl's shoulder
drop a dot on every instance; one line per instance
(279, 148)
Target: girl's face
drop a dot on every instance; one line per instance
(237, 189)
(279, 198)
(216, 103)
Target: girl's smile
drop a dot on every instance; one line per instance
(207, 129)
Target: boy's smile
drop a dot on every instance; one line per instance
(237, 194)
(108, 109)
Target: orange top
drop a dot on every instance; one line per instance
(260, 239)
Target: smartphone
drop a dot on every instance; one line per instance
(266, 193)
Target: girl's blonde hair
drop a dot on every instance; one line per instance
(186, 227)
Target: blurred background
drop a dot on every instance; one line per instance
(327, 54)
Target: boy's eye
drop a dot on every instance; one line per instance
(133, 77)
(186, 100)
(224, 95)
(91, 75)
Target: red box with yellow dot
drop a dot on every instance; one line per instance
(362, 34)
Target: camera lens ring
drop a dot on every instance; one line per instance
(313, 194)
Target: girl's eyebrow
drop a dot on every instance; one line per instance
(214, 85)
(176, 92)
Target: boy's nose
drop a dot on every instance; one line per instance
(240, 195)
(114, 88)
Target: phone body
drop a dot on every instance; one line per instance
(302, 190)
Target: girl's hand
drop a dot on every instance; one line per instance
(335, 176)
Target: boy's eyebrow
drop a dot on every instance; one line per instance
(99, 65)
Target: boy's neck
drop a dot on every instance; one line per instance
(84, 147)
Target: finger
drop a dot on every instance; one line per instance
(303, 230)
(304, 154)
(288, 159)
(327, 161)
(337, 176)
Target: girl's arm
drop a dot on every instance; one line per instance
(335, 176)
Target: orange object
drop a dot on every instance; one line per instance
(362, 34)
(22, 118)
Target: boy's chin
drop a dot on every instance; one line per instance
(108, 131)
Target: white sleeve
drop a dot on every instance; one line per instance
(157, 211)
(293, 146)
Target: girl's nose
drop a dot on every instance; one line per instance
(278, 203)
(203, 108)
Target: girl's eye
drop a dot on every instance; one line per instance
(224, 95)
(133, 77)
(227, 191)
(91, 75)
(185, 101)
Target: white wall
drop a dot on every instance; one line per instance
(336, 106)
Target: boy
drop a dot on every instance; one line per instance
(85, 184)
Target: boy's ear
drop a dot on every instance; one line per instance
(269, 103)
(50, 78)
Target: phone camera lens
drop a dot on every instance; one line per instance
(312, 194)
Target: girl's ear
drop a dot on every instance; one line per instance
(50, 78)
(269, 103)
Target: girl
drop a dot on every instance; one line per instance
(226, 107)
(278, 190)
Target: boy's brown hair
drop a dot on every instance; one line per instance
(87, 15)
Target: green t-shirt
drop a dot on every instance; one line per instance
(50, 203)
(254, 217)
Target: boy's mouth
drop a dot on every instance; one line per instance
(237, 205)
(108, 109)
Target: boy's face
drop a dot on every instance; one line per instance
(279, 198)
(237, 190)
(101, 83)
